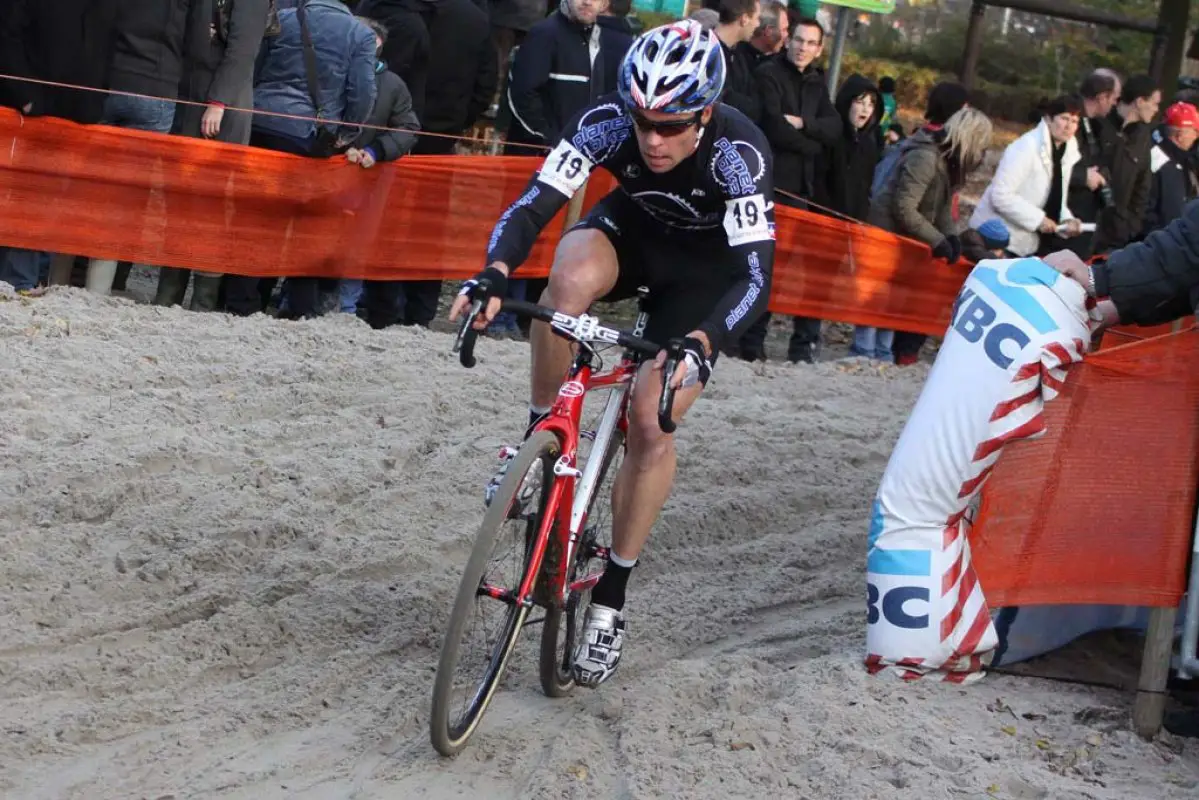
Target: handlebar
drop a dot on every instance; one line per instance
(583, 328)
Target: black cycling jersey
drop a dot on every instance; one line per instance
(725, 184)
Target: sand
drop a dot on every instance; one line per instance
(228, 549)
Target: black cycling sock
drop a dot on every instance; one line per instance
(610, 588)
(536, 414)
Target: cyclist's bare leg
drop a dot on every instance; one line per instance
(585, 268)
(638, 494)
(647, 473)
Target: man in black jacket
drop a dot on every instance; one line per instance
(1089, 180)
(802, 126)
(738, 22)
(769, 40)
(1120, 220)
(34, 43)
(565, 62)
(1175, 179)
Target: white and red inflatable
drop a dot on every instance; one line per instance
(1017, 326)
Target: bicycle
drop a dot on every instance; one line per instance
(560, 557)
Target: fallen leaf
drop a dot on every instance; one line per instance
(1010, 730)
(1094, 740)
(1043, 744)
(579, 771)
(735, 746)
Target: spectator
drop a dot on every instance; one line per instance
(392, 110)
(566, 62)
(1120, 220)
(409, 49)
(853, 160)
(893, 135)
(323, 57)
(1028, 190)
(945, 100)
(1175, 179)
(617, 18)
(990, 240)
(34, 43)
(738, 22)
(768, 40)
(461, 74)
(1099, 92)
(802, 126)
(221, 75)
(915, 200)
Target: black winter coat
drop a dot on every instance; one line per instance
(1120, 222)
(65, 41)
(408, 47)
(553, 77)
(393, 109)
(463, 71)
(856, 154)
(800, 156)
(740, 87)
(154, 38)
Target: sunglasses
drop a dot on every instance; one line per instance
(664, 129)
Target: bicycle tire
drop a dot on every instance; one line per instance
(557, 681)
(448, 738)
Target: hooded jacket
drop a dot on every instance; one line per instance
(408, 47)
(393, 109)
(916, 200)
(857, 152)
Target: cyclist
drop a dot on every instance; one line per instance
(692, 220)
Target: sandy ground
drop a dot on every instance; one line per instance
(228, 549)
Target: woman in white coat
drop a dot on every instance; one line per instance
(1030, 185)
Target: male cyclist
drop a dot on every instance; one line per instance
(692, 219)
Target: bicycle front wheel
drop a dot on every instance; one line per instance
(490, 584)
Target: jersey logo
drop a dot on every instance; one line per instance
(601, 132)
(698, 193)
(631, 171)
(737, 166)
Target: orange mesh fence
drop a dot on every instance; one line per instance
(1100, 509)
(173, 201)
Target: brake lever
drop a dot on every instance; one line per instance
(464, 344)
(666, 400)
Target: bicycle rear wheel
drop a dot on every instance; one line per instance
(521, 499)
(562, 622)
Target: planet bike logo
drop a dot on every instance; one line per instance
(601, 132)
(974, 318)
(572, 389)
(737, 167)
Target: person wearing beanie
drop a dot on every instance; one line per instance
(945, 99)
(995, 235)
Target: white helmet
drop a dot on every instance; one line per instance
(676, 68)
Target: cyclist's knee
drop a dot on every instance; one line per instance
(647, 442)
(585, 269)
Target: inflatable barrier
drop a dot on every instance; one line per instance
(1017, 326)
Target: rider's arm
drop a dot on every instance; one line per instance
(749, 231)
(561, 174)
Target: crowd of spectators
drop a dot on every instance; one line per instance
(1097, 171)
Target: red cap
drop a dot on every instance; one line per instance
(1182, 115)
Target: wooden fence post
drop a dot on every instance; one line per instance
(1150, 704)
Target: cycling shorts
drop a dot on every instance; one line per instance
(686, 271)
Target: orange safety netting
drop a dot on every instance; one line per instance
(1100, 509)
(167, 200)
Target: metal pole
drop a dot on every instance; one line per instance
(834, 60)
